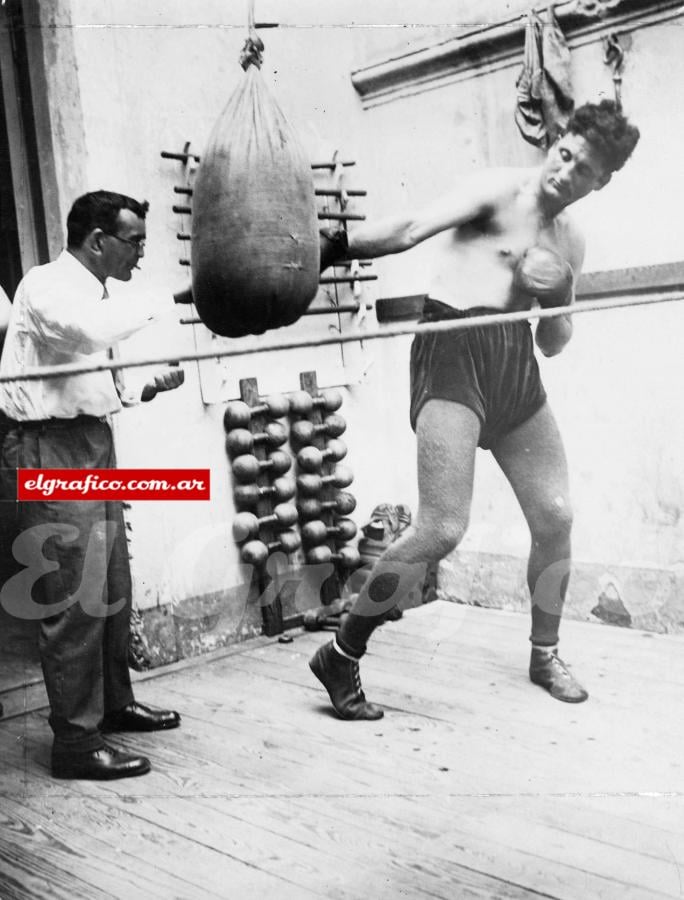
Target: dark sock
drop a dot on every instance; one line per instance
(544, 627)
(354, 633)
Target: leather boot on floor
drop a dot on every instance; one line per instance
(550, 672)
(340, 677)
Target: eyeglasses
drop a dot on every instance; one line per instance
(137, 243)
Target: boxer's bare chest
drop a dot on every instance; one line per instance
(474, 264)
(510, 230)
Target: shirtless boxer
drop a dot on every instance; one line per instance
(505, 240)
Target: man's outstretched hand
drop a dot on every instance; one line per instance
(166, 380)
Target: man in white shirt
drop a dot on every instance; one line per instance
(62, 313)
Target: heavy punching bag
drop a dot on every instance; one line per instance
(255, 248)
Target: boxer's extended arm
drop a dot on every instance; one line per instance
(552, 335)
(478, 195)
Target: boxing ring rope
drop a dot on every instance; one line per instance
(173, 358)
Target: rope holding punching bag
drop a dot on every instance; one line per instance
(254, 250)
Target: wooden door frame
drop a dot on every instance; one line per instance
(25, 98)
(24, 199)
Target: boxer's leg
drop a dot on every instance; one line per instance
(447, 435)
(533, 459)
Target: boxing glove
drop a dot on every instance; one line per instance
(334, 246)
(545, 275)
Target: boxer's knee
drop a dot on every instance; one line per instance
(552, 520)
(439, 535)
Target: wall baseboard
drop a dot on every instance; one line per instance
(638, 597)
(648, 599)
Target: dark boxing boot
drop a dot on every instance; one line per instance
(549, 671)
(339, 675)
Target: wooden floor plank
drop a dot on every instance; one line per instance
(507, 855)
(150, 801)
(619, 649)
(535, 724)
(662, 864)
(74, 863)
(310, 870)
(406, 845)
(475, 784)
(422, 744)
(24, 878)
(107, 839)
(169, 859)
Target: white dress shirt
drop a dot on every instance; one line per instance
(59, 316)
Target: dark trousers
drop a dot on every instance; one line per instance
(78, 581)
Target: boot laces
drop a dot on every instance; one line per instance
(356, 681)
(557, 665)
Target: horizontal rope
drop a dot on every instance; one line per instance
(175, 357)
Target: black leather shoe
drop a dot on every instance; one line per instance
(137, 717)
(550, 672)
(99, 765)
(340, 677)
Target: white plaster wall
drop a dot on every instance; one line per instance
(150, 78)
(164, 81)
(615, 388)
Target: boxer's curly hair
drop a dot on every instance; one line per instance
(604, 127)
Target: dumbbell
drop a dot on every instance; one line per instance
(239, 415)
(316, 532)
(250, 494)
(330, 616)
(311, 459)
(313, 620)
(348, 557)
(301, 403)
(246, 524)
(303, 432)
(247, 468)
(310, 485)
(256, 553)
(342, 505)
(240, 440)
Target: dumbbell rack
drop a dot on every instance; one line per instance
(265, 520)
(270, 536)
(332, 588)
